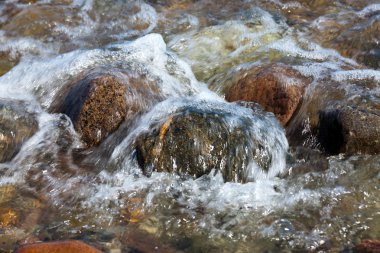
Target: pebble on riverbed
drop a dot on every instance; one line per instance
(58, 247)
(368, 246)
(40, 22)
(16, 126)
(278, 88)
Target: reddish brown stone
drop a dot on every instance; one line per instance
(346, 129)
(278, 88)
(100, 101)
(368, 246)
(58, 247)
(97, 106)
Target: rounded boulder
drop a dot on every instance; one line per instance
(277, 88)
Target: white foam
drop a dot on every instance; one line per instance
(368, 10)
(288, 46)
(360, 74)
(215, 48)
(45, 77)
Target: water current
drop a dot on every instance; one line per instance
(295, 194)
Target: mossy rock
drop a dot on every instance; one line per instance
(194, 141)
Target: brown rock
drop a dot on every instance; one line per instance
(140, 241)
(16, 126)
(97, 106)
(352, 36)
(40, 21)
(368, 246)
(7, 62)
(303, 128)
(98, 103)
(278, 88)
(58, 247)
(346, 129)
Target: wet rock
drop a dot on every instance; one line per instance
(359, 4)
(40, 22)
(305, 160)
(97, 106)
(124, 20)
(346, 129)
(213, 50)
(99, 102)
(354, 36)
(58, 247)
(278, 88)
(194, 141)
(303, 128)
(140, 241)
(368, 246)
(7, 62)
(16, 126)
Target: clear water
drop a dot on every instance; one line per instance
(193, 50)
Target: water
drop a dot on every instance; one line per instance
(56, 189)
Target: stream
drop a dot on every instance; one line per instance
(184, 170)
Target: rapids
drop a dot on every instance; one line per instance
(54, 188)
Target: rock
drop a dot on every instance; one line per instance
(40, 21)
(215, 49)
(278, 88)
(194, 141)
(7, 62)
(353, 36)
(368, 246)
(58, 247)
(99, 102)
(307, 160)
(97, 106)
(346, 129)
(16, 126)
(141, 241)
(123, 20)
(303, 128)
(359, 4)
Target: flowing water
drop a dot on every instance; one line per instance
(55, 189)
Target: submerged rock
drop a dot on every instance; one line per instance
(215, 49)
(278, 88)
(346, 129)
(353, 34)
(360, 41)
(58, 247)
(98, 103)
(7, 62)
(198, 139)
(368, 246)
(40, 22)
(16, 126)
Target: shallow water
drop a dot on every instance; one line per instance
(54, 189)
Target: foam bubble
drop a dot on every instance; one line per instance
(369, 10)
(45, 77)
(352, 75)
